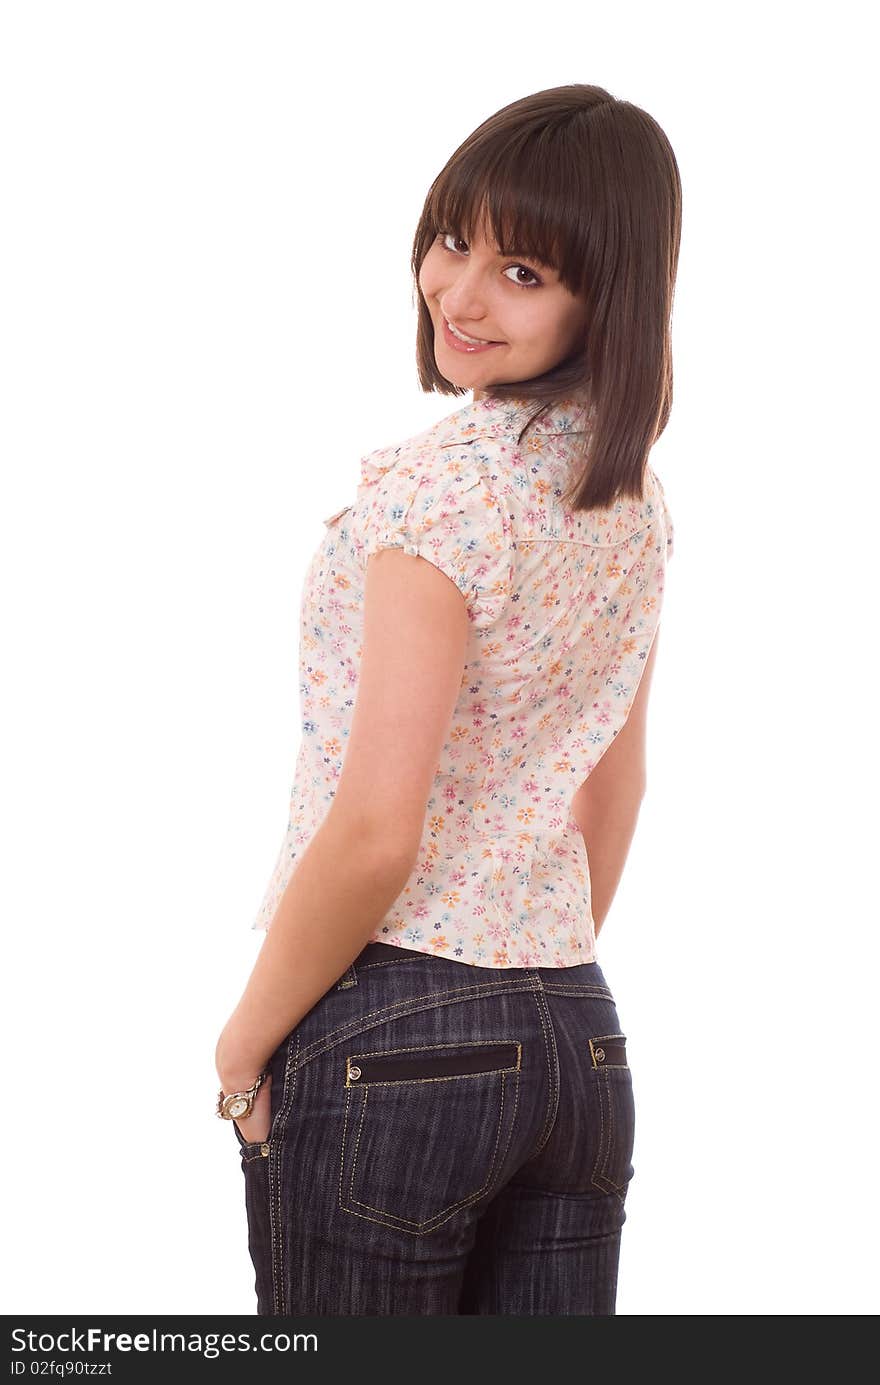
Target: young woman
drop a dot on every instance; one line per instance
(427, 1073)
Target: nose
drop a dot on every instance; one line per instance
(464, 300)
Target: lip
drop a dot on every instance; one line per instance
(466, 347)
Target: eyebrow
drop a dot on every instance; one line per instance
(535, 259)
(521, 255)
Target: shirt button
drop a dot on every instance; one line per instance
(600, 1055)
(264, 1149)
(354, 1073)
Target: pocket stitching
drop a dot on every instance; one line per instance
(252, 1149)
(599, 1039)
(430, 1224)
(479, 1044)
(607, 1128)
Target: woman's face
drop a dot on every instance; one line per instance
(520, 307)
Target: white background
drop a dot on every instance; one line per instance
(207, 319)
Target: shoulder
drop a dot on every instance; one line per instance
(444, 470)
(426, 446)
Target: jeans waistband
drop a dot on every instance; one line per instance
(390, 952)
(375, 952)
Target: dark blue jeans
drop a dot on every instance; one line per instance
(445, 1139)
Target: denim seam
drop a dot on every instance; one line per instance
(393, 961)
(601, 1152)
(252, 1150)
(409, 1006)
(420, 1081)
(276, 1153)
(606, 1130)
(452, 1043)
(350, 975)
(552, 1058)
(600, 1177)
(560, 988)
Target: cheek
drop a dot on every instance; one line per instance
(560, 329)
(431, 274)
(540, 324)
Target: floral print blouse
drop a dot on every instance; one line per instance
(563, 608)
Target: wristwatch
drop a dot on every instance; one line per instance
(234, 1105)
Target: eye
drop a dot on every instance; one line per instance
(525, 270)
(444, 236)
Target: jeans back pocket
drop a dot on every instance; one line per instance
(612, 1084)
(426, 1130)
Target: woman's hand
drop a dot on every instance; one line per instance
(237, 1068)
(256, 1126)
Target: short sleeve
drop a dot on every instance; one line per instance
(447, 512)
(670, 531)
(667, 517)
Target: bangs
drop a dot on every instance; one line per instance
(523, 197)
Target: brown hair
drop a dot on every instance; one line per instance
(589, 184)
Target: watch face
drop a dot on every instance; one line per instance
(238, 1107)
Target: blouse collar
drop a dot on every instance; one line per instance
(492, 417)
(487, 417)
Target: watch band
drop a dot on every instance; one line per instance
(236, 1105)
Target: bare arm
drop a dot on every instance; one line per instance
(606, 807)
(360, 858)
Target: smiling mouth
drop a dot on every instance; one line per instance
(461, 341)
(463, 336)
